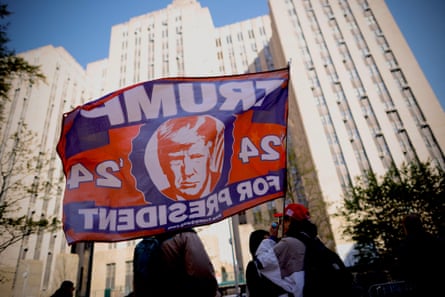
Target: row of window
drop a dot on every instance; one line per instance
(357, 84)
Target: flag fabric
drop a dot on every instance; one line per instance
(173, 153)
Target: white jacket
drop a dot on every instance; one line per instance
(283, 263)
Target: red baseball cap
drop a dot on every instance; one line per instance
(294, 210)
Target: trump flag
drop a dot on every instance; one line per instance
(173, 153)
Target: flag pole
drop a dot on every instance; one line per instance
(238, 267)
(289, 62)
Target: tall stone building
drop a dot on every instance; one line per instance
(358, 101)
(38, 263)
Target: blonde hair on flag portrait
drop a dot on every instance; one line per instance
(184, 157)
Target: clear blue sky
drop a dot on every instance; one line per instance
(83, 27)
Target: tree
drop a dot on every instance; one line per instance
(20, 167)
(11, 66)
(21, 178)
(374, 208)
(302, 181)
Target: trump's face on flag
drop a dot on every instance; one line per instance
(190, 152)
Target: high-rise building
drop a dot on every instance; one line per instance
(32, 263)
(358, 101)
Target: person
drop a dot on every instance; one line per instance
(224, 274)
(66, 289)
(258, 285)
(191, 152)
(421, 258)
(184, 268)
(324, 270)
(282, 262)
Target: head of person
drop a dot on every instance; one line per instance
(255, 239)
(190, 151)
(67, 286)
(295, 219)
(412, 224)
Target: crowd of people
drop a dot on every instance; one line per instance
(277, 266)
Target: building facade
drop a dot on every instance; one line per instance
(36, 265)
(358, 101)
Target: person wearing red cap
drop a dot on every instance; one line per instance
(300, 262)
(282, 262)
(297, 211)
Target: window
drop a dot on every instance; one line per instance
(128, 276)
(257, 215)
(242, 218)
(110, 275)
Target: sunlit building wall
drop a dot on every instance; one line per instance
(359, 100)
(36, 265)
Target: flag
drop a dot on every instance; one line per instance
(173, 153)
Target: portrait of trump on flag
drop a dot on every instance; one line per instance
(184, 157)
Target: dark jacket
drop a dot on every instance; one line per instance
(185, 268)
(421, 259)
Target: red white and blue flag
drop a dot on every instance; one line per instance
(173, 153)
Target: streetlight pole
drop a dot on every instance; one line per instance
(85, 251)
